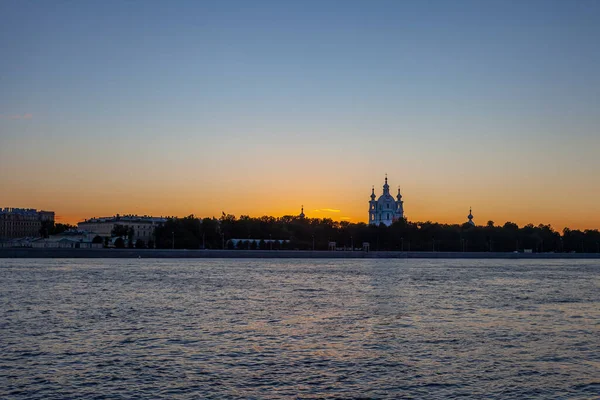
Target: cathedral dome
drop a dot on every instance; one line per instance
(384, 198)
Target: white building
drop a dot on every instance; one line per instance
(143, 226)
(63, 242)
(386, 209)
(71, 239)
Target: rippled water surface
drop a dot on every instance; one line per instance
(439, 329)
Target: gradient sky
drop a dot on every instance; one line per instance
(252, 107)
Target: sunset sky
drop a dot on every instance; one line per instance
(259, 107)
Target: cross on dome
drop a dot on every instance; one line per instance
(386, 187)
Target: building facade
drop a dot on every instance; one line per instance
(23, 222)
(385, 210)
(143, 226)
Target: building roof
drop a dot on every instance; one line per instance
(22, 211)
(126, 218)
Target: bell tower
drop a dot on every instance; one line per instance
(399, 205)
(386, 187)
(372, 207)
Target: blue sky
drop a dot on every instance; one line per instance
(245, 96)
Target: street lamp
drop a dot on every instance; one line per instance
(173, 240)
(313, 238)
(351, 244)
(200, 231)
(562, 246)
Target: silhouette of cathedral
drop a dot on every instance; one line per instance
(386, 209)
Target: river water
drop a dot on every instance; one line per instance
(435, 329)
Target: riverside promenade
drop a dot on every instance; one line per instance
(167, 253)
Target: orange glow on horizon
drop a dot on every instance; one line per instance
(431, 193)
(453, 210)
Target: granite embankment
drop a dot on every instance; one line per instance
(155, 253)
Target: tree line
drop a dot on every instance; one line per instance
(51, 228)
(292, 232)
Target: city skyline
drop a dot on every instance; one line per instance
(257, 109)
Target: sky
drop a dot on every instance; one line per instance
(257, 108)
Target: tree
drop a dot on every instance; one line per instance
(98, 239)
(139, 244)
(120, 243)
(50, 228)
(119, 230)
(130, 234)
(511, 226)
(47, 227)
(192, 233)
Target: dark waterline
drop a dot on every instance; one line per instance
(288, 254)
(501, 329)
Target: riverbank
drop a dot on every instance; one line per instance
(156, 253)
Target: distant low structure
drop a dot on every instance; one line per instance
(143, 226)
(17, 242)
(268, 242)
(385, 210)
(72, 239)
(23, 222)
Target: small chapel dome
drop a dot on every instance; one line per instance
(470, 217)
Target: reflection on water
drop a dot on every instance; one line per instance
(300, 328)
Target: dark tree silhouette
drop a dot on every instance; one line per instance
(193, 233)
(119, 243)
